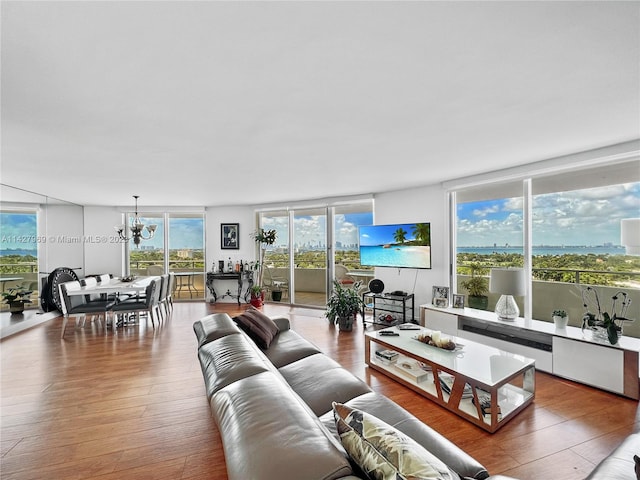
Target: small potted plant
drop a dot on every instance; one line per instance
(477, 288)
(257, 296)
(343, 305)
(560, 318)
(17, 298)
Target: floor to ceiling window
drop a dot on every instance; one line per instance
(574, 226)
(19, 253)
(177, 246)
(489, 233)
(312, 245)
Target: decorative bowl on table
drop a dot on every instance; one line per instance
(435, 340)
(128, 279)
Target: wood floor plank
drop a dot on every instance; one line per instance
(133, 405)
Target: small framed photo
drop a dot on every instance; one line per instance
(458, 300)
(441, 296)
(230, 236)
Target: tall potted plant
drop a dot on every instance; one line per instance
(344, 304)
(263, 239)
(477, 288)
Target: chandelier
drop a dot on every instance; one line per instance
(137, 229)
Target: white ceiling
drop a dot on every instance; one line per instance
(227, 103)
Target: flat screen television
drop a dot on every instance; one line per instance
(400, 245)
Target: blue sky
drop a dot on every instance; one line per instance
(581, 217)
(383, 234)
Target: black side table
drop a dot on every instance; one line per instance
(240, 277)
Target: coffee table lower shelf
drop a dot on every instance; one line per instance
(487, 406)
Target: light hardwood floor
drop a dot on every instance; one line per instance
(133, 405)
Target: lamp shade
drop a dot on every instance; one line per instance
(630, 235)
(507, 281)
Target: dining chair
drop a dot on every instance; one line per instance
(78, 306)
(163, 297)
(138, 304)
(170, 289)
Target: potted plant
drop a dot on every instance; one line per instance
(276, 294)
(601, 321)
(257, 296)
(560, 318)
(343, 305)
(477, 288)
(263, 238)
(17, 298)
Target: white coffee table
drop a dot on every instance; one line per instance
(473, 373)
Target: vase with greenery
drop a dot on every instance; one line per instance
(17, 298)
(601, 321)
(344, 304)
(263, 239)
(477, 288)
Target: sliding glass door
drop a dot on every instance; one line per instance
(310, 256)
(314, 245)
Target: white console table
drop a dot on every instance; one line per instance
(569, 353)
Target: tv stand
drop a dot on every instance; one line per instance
(569, 353)
(400, 306)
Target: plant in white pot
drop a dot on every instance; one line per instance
(344, 304)
(560, 318)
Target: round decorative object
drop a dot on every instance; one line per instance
(58, 276)
(376, 285)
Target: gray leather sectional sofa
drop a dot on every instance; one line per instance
(273, 407)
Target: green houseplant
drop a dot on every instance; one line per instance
(263, 238)
(344, 304)
(560, 318)
(477, 288)
(17, 298)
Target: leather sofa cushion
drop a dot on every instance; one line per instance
(320, 381)
(390, 412)
(268, 433)
(229, 359)
(619, 465)
(213, 327)
(288, 347)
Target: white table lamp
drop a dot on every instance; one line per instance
(630, 235)
(508, 282)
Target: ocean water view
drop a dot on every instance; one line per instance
(404, 256)
(549, 250)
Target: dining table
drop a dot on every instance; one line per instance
(118, 286)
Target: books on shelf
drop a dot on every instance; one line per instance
(387, 356)
(446, 383)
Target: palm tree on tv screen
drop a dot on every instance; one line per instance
(422, 233)
(400, 235)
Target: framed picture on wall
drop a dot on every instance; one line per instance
(230, 236)
(440, 296)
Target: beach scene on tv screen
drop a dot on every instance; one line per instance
(399, 245)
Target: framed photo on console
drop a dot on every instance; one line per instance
(230, 236)
(440, 296)
(458, 300)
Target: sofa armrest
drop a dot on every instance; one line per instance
(282, 323)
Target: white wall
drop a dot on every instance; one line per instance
(245, 216)
(424, 204)
(63, 231)
(104, 253)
